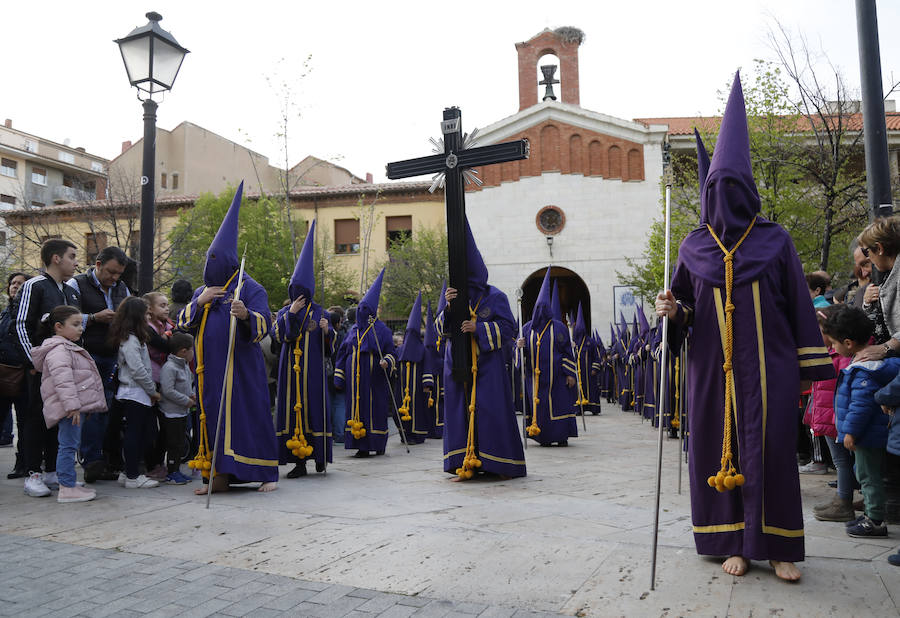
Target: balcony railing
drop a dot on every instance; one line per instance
(62, 194)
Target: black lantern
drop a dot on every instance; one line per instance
(152, 58)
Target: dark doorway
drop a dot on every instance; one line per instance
(572, 290)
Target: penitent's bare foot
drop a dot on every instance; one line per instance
(220, 484)
(736, 565)
(265, 487)
(787, 571)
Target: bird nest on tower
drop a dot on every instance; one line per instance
(570, 34)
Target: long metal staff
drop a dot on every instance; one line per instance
(681, 405)
(232, 327)
(390, 388)
(324, 412)
(521, 355)
(663, 360)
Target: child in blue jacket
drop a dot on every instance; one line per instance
(861, 425)
(889, 398)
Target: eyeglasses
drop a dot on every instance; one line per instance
(865, 250)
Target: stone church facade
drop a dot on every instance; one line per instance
(583, 201)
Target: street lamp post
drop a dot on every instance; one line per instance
(152, 59)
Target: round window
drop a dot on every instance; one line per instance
(550, 220)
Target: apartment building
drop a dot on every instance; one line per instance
(192, 160)
(36, 173)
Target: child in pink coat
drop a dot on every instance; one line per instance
(70, 386)
(820, 417)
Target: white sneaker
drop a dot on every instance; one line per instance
(814, 467)
(34, 486)
(141, 482)
(51, 480)
(122, 479)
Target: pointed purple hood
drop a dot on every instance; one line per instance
(431, 335)
(542, 312)
(442, 301)
(580, 330)
(413, 348)
(554, 303)
(303, 281)
(643, 323)
(222, 257)
(702, 171)
(477, 271)
(732, 200)
(368, 306)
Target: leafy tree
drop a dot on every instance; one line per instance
(414, 263)
(806, 169)
(262, 232)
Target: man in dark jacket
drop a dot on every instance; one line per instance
(35, 299)
(102, 291)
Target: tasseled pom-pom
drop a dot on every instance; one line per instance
(739, 479)
(207, 465)
(711, 481)
(350, 422)
(729, 483)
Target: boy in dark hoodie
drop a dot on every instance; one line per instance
(861, 425)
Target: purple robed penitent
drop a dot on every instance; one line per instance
(300, 365)
(358, 373)
(497, 441)
(586, 363)
(433, 376)
(548, 362)
(412, 357)
(247, 450)
(776, 344)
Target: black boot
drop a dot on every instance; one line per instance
(361, 454)
(320, 467)
(298, 471)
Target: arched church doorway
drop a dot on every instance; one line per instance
(572, 290)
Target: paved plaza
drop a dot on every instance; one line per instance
(393, 536)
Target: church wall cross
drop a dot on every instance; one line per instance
(455, 159)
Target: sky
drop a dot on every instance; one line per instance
(379, 74)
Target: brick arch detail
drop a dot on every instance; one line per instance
(550, 151)
(568, 149)
(635, 164)
(576, 150)
(615, 162)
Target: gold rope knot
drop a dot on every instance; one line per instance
(727, 478)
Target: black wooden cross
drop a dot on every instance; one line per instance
(452, 162)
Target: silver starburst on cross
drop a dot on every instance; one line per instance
(470, 175)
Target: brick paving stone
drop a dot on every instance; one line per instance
(236, 594)
(362, 593)
(435, 609)
(100, 583)
(74, 609)
(380, 603)
(466, 607)
(331, 594)
(168, 611)
(414, 601)
(398, 611)
(207, 608)
(289, 600)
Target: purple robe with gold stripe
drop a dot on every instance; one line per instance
(247, 448)
(300, 332)
(777, 344)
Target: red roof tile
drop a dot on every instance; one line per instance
(684, 125)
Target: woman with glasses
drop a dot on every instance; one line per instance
(880, 242)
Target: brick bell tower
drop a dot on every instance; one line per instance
(562, 43)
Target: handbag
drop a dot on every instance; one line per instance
(11, 378)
